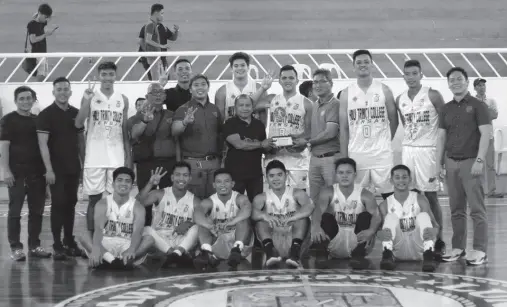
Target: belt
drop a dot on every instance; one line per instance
(205, 158)
(327, 154)
(459, 159)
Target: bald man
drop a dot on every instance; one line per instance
(153, 145)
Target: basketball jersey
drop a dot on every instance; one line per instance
(283, 207)
(222, 213)
(287, 116)
(406, 212)
(347, 209)
(421, 119)
(170, 213)
(369, 130)
(232, 91)
(104, 144)
(120, 219)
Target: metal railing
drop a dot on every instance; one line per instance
(79, 66)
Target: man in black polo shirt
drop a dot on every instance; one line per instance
(246, 139)
(464, 131)
(61, 146)
(180, 94)
(24, 174)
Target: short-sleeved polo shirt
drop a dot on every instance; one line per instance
(63, 138)
(202, 137)
(164, 146)
(461, 121)
(323, 113)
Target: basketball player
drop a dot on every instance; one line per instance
(224, 224)
(173, 229)
(290, 116)
(419, 107)
(407, 233)
(107, 139)
(368, 123)
(119, 220)
(282, 215)
(241, 83)
(346, 218)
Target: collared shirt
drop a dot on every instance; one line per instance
(202, 137)
(164, 145)
(323, 113)
(176, 96)
(63, 138)
(244, 164)
(461, 120)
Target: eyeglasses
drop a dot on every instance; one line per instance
(319, 82)
(157, 93)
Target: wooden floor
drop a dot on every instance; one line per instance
(47, 282)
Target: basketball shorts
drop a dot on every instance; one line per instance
(282, 241)
(225, 242)
(345, 242)
(408, 245)
(421, 161)
(172, 239)
(97, 180)
(377, 179)
(116, 246)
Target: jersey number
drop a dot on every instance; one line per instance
(366, 131)
(109, 129)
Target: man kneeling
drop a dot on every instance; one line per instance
(172, 228)
(118, 240)
(346, 219)
(282, 216)
(224, 224)
(407, 233)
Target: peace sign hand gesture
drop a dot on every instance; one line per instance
(189, 116)
(268, 80)
(90, 91)
(164, 78)
(157, 175)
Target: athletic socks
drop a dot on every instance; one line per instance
(108, 257)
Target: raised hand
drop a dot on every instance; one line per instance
(189, 116)
(90, 91)
(147, 111)
(157, 175)
(176, 28)
(267, 81)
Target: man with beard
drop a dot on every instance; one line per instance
(282, 218)
(107, 137)
(224, 225)
(290, 122)
(173, 229)
(118, 241)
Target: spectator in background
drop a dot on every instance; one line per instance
(306, 89)
(198, 124)
(62, 148)
(24, 174)
(153, 144)
(177, 96)
(246, 139)
(480, 89)
(37, 32)
(139, 103)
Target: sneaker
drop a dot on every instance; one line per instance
(18, 255)
(388, 262)
(171, 259)
(39, 252)
(206, 260)
(73, 250)
(429, 263)
(293, 261)
(234, 257)
(475, 257)
(439, 250)
(59, 253)
(456, 253)
(358, 259)
(272, 259)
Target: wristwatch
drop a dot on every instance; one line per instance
(479, 160)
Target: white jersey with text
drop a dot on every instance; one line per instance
(232, 91)
(283, 207)
(222, 213)
(369, 130)
(421, 119)
(287, 116)
(345, 210)
(170, 213)
(120, 219)
(104, 143)
(406, 212)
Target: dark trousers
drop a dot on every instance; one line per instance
(63, 208)
(331, 228)
(143, 177)
(34, 188)
(253, 187)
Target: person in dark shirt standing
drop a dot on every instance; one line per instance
(246, 139)
(463, 134)
(24, 174)
(180, 94)
(62, 148)
(37, 34)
